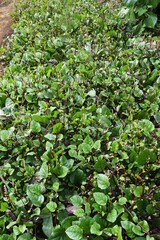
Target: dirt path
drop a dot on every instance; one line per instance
(6, 8)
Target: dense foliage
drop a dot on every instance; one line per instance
(141, 14)
(79, 126)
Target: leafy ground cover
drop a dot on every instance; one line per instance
(79, 126)
(142, 14)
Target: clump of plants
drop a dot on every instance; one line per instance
(79, 126)
(141, 14)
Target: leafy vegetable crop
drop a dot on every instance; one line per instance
(142, 14)
(79, 126)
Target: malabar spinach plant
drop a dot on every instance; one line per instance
(79, 126)
(141, 14)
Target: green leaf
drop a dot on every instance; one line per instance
(112, 216)
(29, 98)
(154, 3)
(146, 125)
(43, 172)
(115, 146)
(77, 177)
(129, 3)
(117, 231)
(50, 136)
(57, 127)
(95, 229)
(138, 191)
(87, 209)
(143, 157)
(47, 225)
(119, 208)
(158, 133)
(137, 230)
(92, 93)
(25, 236)
(157, 118)
(103, 181)
(152, 238)
(88, 140)
(122, 200)
(141, 11)
(127, 225)
(108, 231)
(16, 230)
(4, 135)
(51, 206)
(40, 119)
(74, 232)
(73, 153)
(150, 209)
(154, 75)
(61, 171)
(85, 224)
(3, 97)
(36, 143)
(49, 146)
(22, 228)
(79, 212)
(86, 148)
(34, 194)
(55, 186)
(100, 165)
(77, 201)
(100, 198)
(144, 225)
(35, 127)
(3, 148)
(3, 206)
(151, 20)
(97, 145)
(2, 114)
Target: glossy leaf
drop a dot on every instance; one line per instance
(35, 127)
(74, 232)
(112, 216)
(100, 198)
(95, 229)
(151, 21)
(103, 181)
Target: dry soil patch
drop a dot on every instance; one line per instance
(6, 8)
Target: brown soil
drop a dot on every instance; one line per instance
(6, 8)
